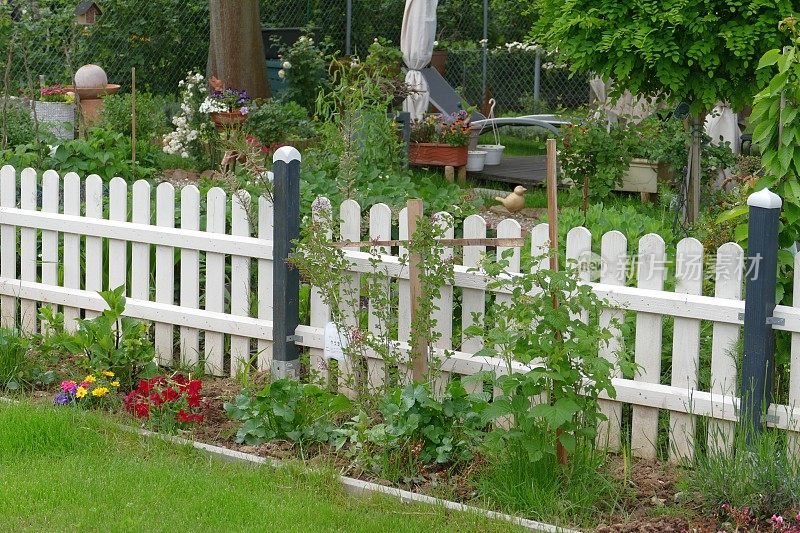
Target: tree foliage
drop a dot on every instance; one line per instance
(700, 51)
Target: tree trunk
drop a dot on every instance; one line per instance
(235, 51)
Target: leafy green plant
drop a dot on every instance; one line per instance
(542, 329)
(110, 342)
(18, 127)
(418, 431)
(287, 410)
(279, 121)
(151, 118)
(304, 70)
(106, 154)
(596, 156)
(383, 58)
(776, 130)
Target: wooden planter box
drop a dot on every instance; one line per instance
(438, 155)
(642, 176)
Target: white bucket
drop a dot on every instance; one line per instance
(475, 160)
(494, 153)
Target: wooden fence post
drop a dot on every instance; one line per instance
(758, 360)
(286, 295)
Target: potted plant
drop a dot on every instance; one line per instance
(276, 122)
(225, 106)
(440, 140)
(56, 108)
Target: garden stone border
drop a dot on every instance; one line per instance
(356, 487)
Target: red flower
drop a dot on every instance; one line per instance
(170, 395)
(143, 387)
(156, 398)
(180, 379)
(194, 386)
(141, 410)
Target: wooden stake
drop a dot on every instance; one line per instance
(419, 348)
(552, 219)
(552, 202)
(133, 121)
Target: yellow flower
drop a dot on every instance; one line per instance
(80, 393)
(89, 379)
(115, 383)
(100, 391)
(108, 373)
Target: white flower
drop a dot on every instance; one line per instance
(185, 154)
(286, 65)
(281, 73)
(435, 43)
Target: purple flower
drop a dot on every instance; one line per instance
(62, 399)
(244, 110)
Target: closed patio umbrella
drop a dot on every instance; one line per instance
(416, 43)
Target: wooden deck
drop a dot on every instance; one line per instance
(519, 170)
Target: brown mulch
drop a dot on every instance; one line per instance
(180, 177)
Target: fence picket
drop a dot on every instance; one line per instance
(320, 312)
(190, 276)
(686, 347)
(117, 249)
(8, 246)
(647, 350)
(165, 273)
(613, 269)
(578, 256)
(508, 228)
(72, 247)
(725, 338)
(93, 281)
(473, 301)
(380, 228)
(51, 183)
(240, 282)
(265, 230)
(442, 312)
(140, 252)
(216, 211)
(794, 366)
(28, 249)
(350, 230)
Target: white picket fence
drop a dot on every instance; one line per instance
(51, 252)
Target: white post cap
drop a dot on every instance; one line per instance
(766, 199)
(286, 154)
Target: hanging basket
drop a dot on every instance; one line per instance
(227, 118)
(438, 155)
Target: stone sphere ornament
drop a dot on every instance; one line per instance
(91, 77)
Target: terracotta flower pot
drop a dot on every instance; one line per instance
(436, 154)
(438, 60)
(227, 118)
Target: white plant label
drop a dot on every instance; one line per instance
(334, 343)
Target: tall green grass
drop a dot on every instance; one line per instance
(579, 494)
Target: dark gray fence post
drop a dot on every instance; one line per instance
(758, 362)
(537, 80)
(286, 280)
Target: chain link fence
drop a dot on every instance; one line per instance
(164, 39)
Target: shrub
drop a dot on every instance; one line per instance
(418, 431)
(19, 126)
(151, 117)
(110, 342)
(275, 121)
(286, 409)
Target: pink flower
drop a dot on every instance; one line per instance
(69, 386)
(777, 520)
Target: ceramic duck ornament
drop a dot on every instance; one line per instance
(515, 200)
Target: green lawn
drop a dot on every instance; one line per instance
(67, 470)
